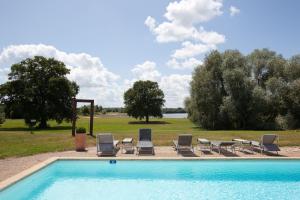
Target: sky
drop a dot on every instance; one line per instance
(108, 45)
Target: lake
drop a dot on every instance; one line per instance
(175, 115)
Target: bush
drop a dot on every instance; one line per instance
(80, 130)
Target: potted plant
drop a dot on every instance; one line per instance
(80, 139)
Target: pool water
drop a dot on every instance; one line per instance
(203, 179)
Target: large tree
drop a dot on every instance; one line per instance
(233, 91)
(143, 100)
(39, 88)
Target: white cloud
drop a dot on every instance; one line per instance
(146, 71)
(176, 88)
(182, 25)
(234, 11)
(188, 63)
(188, 12)
(182, 17)
(150, 22)
(95, 81)
(189, 50)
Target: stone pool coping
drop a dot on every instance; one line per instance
(18, 177)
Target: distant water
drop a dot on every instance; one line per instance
(175, 115)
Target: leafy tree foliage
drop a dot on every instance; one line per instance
(258, 91)
(2, 114)
(38, 88)
(143, 100)
(85, 110)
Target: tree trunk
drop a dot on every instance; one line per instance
(43, 123)
(147, 119)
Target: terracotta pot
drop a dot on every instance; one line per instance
(80, 141)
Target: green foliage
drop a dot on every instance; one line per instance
(143, 100)
(258, 91)
(85, 110)
(98, 109)
(38, 88)
(173, 110)
(80, 130)
(2, 114)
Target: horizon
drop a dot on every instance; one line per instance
(109, 45)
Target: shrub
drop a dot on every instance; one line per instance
(80, 130)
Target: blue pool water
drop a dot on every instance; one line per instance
(209, 179)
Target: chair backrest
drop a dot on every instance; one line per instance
(105, 138)
(145, 134)
(268, 138)
(185, 140)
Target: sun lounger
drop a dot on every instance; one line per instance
(106, 145)
(204, 145)
(268, 142)
(144, 143)
(183, 143)
(224, 144)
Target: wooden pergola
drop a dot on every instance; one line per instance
(74, 117)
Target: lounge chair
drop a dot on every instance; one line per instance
(184, 142)
(224, 144)
(106, 145)
(204, 145)
(145, 141)
(268, 142)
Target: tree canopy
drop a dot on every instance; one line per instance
(38, 89)
(143, 100)
(257, 91)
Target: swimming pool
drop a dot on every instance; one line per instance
(171, 179)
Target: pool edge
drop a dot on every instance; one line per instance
(25, 173)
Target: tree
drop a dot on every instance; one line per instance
(143, 100)
(39, 88)
(2, 114)
(85, 110)
(258, 91)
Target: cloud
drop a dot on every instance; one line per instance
(150, 22)
(182, 24)
(189, 50)
(146, 71)
(188, 12)
(95, 80)
(234, 11)
(182, 18)
(176, 88)
(188, 63)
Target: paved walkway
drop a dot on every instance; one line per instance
(12, 166)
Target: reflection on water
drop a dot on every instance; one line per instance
(175, 115)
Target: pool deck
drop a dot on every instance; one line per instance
(12, 166)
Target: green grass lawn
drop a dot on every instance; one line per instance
(16, 139)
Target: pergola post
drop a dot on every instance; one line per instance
(92, 117)
(74, 116)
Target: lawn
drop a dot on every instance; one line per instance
(17, 140)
